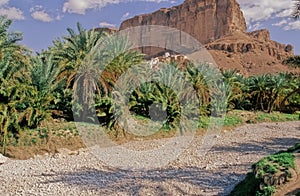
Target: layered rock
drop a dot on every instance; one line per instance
(251, 53)
(220, 25)
(107, 30)
(205, 20)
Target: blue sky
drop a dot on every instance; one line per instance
(42, 21)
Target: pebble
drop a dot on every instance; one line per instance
(3, 159)
(191, 173)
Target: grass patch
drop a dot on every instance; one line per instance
(275, 117)
(232, 120)
(273, 163)
(271, 167)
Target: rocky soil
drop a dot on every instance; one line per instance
(216, 173)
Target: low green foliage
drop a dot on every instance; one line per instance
(268, 166)
(247, 187)
(267, 191)
(294, 148)
(204, 122)
(293, 61)
(275, 117)
(232, 120)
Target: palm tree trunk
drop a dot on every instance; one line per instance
(282, 104)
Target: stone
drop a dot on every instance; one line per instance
(3, 159)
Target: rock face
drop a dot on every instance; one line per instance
(205, 20)
(107, 30)
(221, 27)
(250, 53)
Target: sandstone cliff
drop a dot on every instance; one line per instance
(107, 30)
(205, 20)
(220, 25)
(250, 53)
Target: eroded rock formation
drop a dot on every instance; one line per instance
(205, 20)
(220, 25)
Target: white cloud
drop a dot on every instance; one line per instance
(80, 6)
(42, 16)
(255, 26)
(3, 2)
(280, 23)
(125, 16)
(11, 12)
(106, 24)
(59, 17)
(258, 10)
(39, 13)
(292, 25)
(285, 13)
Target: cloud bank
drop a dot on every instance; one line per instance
(81, 6)
(258, 11)
(106, 24)
(11, 12)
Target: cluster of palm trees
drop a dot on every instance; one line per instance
(265, 92)
(36, 88)
(79, 75)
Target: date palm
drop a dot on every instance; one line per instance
(198, 76)
(14, 63)
(233, 83)
(259, 87)
(294, 90)
(8, 40)
(280, 84)
(73, 49)
(296, 11)
(105, 59)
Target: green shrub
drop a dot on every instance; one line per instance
(232, 120)
(280, 162)
(247, 187)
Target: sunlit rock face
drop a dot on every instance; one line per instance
(220, 26)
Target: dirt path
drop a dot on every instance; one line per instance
(216, 173)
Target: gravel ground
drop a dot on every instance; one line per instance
(215, 173)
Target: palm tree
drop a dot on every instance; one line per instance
(8, 40)
(280, 84)
(296, 12)
(14, 62)
(93, 61)
(293, 61)
(71, 53)
(294, 89)
(198, 76)
(73, 49)
(259, 87)
(44, 74)
(44, 82)
(233, 87)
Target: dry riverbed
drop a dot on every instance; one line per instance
(216, 173)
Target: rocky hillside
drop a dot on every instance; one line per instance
(221, 26)
(251, 53)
